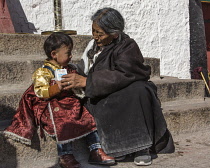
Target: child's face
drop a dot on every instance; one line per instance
(63, 55)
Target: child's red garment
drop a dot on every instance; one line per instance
(62, 116)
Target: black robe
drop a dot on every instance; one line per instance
(124, 103)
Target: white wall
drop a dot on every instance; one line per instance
(160, 27)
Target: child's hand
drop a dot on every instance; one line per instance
(59, 85)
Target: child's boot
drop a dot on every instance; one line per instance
(97, 155)
(68, 161)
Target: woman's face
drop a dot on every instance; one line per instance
(100, 36)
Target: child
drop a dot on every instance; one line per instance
(57, 112)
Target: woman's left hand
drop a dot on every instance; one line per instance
(73, 80)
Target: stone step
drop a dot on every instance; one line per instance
(32, 44)
(155, 66)
(14, 70)
(183, 117)
(9, 99)
(187, 115)
(169, 89)
(15, 45)
(19, 68)
(25, 54)
(17, 71)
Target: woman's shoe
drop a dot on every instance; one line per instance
(143, 158)
(98, 156)
(68, 161)
(120, 158)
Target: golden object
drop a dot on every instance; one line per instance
(57, 15)
(206, 1)
(56, 109)
(58, 21)
(205, 82)
(41, 79)
(69, 32)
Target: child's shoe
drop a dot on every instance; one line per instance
(98, 156)
(68, 161)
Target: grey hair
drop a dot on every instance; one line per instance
(110, 20)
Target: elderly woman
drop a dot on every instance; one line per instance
(123, 102)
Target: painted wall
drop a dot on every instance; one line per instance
(160, 27)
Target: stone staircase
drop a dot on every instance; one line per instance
(183, 103)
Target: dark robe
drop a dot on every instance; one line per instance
(124, 103)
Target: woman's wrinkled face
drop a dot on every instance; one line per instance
(100, 36)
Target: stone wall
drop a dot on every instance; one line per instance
(161, 28)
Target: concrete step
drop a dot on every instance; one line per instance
(155, 66)
(9, 99)
(192, 151)
(32, 44)
(22, 54)
(183, 118)
(18, 71)
(169, 89)
(187, 115)
(18, 68)
(181, 115)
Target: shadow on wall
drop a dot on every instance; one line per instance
(19, 18)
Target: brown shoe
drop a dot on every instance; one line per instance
(99, 157)
(68, 161)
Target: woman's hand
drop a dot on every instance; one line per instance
(73, 80)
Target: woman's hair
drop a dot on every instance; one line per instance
(110, 20)
(55, 41)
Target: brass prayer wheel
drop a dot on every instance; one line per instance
(58, 20)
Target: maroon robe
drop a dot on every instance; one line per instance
(62, 116)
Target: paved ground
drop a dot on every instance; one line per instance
(192, 151)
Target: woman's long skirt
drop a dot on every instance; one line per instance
(130, 120)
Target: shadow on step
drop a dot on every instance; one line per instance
(8, 150)
(8, 154)
(6, 112)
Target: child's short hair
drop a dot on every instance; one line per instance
(55, 41)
